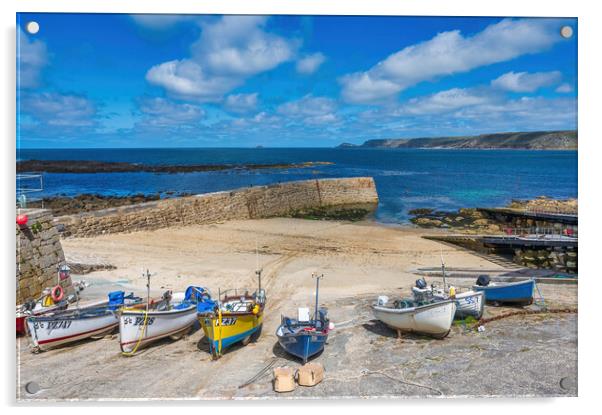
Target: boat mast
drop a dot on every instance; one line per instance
(318, 277)
(257, 269)
(443, 272)
(147, 288)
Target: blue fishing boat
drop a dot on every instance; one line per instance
(304, 337)
(520, 292)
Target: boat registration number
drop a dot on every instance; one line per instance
(138, 321)
(228, 321)
(53, 325)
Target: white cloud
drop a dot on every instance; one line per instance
(187, 79)
(241, 103)
(526, 82)
(61, 110)
(161, 112)
(308, 105)
(471, 111)
(446, 101)
(229, 51)
(309, 64)
(32, 56)
(564, 88)
(311, 110)
(448, 53)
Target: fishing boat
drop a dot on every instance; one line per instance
(432, 317)
(237, 317)
(172, 317)
(51, 300)
(304, 337)
(66, 326)
(42, 305)
(520, 292)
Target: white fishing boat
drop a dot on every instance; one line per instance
(80, 321)
(433, 318)
(48, 331)
(141, 325)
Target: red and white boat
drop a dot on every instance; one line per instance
(48, 331)
(46, 304)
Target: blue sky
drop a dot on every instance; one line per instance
(110, 80)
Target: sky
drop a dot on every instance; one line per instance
(131, 81)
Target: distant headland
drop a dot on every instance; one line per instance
(533, 140)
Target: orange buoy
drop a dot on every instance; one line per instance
(57, 293)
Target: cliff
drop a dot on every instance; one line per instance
(536, 140)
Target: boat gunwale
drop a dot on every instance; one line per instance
(213, 314)
(504, 284)
(301, 333)
(73, 314)
(155, 313)
(412, 309)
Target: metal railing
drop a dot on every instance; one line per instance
(550, 210)
(28, 185)
(538, 231)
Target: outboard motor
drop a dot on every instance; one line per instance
(29, 305)
(165, 300)
(421, 283)
(483, 280)
(421, 291)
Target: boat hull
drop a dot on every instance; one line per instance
(47, 332)
(468, 304)
(302, 345)
(433, 319)
(134, 333)
(236, 327)
(514, 292)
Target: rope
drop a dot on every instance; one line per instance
(221, 323)
(365, 372)
(261, 373)
(524, 312)
(142, 333)
(402, 381)
(540, 301)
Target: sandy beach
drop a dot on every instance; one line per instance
(359, 261)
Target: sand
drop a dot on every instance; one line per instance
(355, 258)
(359, 261)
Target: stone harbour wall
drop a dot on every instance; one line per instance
(559, 259)
(274, 200)
(39, 254)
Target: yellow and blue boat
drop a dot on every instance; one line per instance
(236, 317)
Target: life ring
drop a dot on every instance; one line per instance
(57, 293)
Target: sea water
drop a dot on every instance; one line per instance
(405, 178)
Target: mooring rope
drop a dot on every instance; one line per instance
(402, 381)
(525, 312)
(261, 373)
(142, 333)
